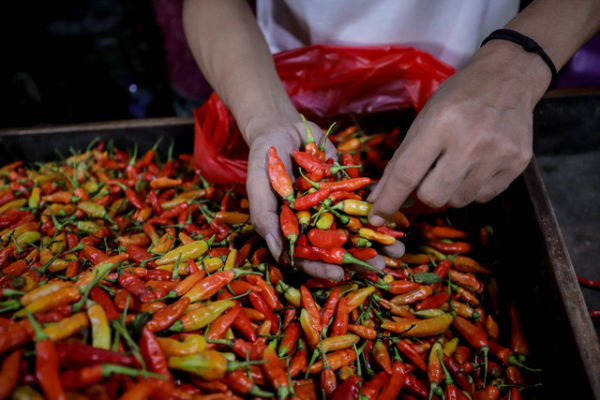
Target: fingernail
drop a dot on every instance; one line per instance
(273, 246)
(376, 220)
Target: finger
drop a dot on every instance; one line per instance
(448, 175)
(395, 250)
(496, 185)
(477, 177)
(321, 270)
(377, 262)
(406, 170)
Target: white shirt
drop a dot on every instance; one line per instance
(451, 30)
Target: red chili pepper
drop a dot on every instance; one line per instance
(101, 297)
(363, 254)
(518, 341)
(348, 159)
(275, 373)
(46, 363)
(442, 268)
(415, 386)
(348, 185)
(289, 340)
(382, 357)
(395, 384)
(279, 177)
(139, 255)
(451, 248)
(327, 239)
(328, 310)
(154, 202)
(220, 326)
(136, 287)
(259, 304)
(311, 199)
(267, 291)
(153, 354)
(175, 211)
(340, 324)
(298, 363)
(77, 354)
(168, 315)
(9, 373)
(370, 389)
(347, 390)
(93, 254)
(409, 351)
(289, 226)
(308, 303)
(434, 301)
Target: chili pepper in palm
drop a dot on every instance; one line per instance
(267, 291)
(46, 363)
(313, 165)
(289, 340)
(310, 200)
(280, 180)
(9, 373)
(327, 238)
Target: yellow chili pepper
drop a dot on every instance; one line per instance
(67, 327)
(183, 197)
(201, 317)
(117, 206)
(184, 238)
(325, 221)
(338, 342)
(375, 236)
(13, 205)
(192, 344)
(28, 237)
(88, 227)
(421, 293)
(450, 347)
(34, 197)
(191, 250)
(100, 327)
(354, 207)
(66, 295)
(212, 263)
(42, 291)
(420, 327)
(231, 258)
(357, 297)
(58, 244)
(163, 245)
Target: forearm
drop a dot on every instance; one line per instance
(233, 56)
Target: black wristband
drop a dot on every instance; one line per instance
(526, 42)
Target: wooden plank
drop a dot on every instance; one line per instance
(564, 274)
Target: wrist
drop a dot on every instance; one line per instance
(510, 63)
(258, 119)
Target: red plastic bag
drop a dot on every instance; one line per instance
(322, 81)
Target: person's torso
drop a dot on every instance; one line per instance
(451, 30)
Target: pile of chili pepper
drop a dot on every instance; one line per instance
(131, 277)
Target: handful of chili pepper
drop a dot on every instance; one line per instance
(137, 278)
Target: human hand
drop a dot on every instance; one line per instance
(286, 136)
(471, 139)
